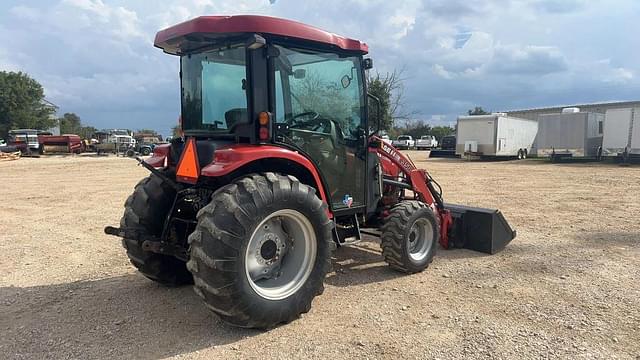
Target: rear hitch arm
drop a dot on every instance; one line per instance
(149, 243)
(159, 174)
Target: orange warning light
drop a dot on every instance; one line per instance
(263, 118)
(189, 167)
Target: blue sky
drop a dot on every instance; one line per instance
(96, 58)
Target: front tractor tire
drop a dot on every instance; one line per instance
(145, 211)
(261, 250)
(409, 237)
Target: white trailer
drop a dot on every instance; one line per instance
(495, 135)
(569, 134)
(621, 133)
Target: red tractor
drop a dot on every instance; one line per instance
(280, 163)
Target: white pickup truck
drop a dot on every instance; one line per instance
(426, 142)
(404, 142)
(386, 139)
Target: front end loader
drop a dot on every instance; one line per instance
(280, 164)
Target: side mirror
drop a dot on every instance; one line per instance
(346, 81)
(367, 63)
(378, 113)
(299, 73)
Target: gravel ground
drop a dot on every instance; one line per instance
(566, 287)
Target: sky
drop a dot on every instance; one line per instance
(96, 57)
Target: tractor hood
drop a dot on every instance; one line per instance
(193, 34)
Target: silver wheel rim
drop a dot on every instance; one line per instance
(420, 239)
(280, 254)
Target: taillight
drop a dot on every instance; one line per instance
(264, 133)
(264, 119)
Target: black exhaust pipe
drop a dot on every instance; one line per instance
(484, 230)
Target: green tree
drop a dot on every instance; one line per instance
(86, 132)
(419, 128)
(22, 103)
(478, 110)
(70, 124)
(441, 131)
(389, 89)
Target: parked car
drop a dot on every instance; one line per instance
(426, 142)
(404, 142)
(448, 142)
(386, 139)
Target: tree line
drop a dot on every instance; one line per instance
(23, 106)
(395, 117)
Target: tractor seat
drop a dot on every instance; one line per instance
(235, 116)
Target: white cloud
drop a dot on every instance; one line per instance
(442, 72)
(559, 6)
(5, 60)
(25, 12)
(96, 56)
(527, 61)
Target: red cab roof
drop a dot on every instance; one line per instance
(190, 34)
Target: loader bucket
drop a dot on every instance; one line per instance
(484, 230)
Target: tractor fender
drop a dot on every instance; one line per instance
(159, 156)
(236, 158)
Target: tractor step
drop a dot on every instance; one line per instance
(484, 230)
(347, 230)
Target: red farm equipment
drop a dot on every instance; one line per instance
(279, 164)
(60, 144)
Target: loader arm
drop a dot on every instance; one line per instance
(421, 184)
(479, 229)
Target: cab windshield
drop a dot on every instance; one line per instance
(214, 97)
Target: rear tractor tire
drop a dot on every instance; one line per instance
(409, 237)
(146, 210)
(261, 250)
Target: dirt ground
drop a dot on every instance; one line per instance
(566, 287)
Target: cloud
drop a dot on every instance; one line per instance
(527, 61)
(455, 9)
(95, 57)
(559, 6)
(25, 12)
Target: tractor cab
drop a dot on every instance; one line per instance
(262, 80)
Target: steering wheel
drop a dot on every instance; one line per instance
(311, 115)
